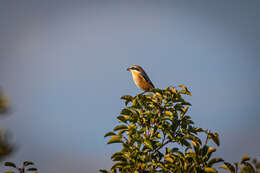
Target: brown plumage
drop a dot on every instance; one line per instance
(140, 78)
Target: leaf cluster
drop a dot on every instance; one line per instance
(26, 167)
(157, 135)
(244, 166)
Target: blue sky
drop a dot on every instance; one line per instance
(63, 65)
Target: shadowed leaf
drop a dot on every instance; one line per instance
(10, 164)
(119, 127)
(228, 166)
(27, 163)
(213, 161)
(32, 169)
(109, 134)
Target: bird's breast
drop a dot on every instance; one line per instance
(141, 82)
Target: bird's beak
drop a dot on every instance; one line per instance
(128, 69)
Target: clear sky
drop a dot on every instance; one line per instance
(63, 65)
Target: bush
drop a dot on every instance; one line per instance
(157, 135)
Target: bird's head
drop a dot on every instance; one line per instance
(135, 68)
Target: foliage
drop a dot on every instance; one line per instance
(5, 147)
(157, 135)
(244, 166)
(3, 104)
(257, 165)
(27, 167)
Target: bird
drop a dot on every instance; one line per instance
(140, 78)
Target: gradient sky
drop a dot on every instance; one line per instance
(63, 65)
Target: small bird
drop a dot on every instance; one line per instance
(140, 78)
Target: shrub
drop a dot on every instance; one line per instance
(157, 135)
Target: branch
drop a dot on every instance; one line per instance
(161, 146)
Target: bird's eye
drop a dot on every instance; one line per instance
(134, 68)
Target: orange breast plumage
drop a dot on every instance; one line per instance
(141, 82)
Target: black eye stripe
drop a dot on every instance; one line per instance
(134, 68)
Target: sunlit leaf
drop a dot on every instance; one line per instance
(117, 165)
(148, 144)
(168, 158)
(210, 170)
(215, 138)
(115, 139)
(119, 127)
(109, 134)
(245, 158)
(122, 131)
(121, 118)
(211, 149)
(168, 113)
(9, 171)
(228, 167)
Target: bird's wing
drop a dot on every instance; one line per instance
(145, 76)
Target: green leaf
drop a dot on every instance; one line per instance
(154, 90)
(115, 139)
(167, 150)
(148, 144)
(198, 129)
(182, 86)
(215, 138)
(119, 127)
(10, 164)
(122, 131)
(168, 113)
(211, 150)
(32, 169)
(168, 158)
(103, 171)
(195, 146)
(27, 163)
(184, 110)
(127, 98)
(209, 153)
(245, 158)
(117, 165)
(228, 167)
(185, 142)
(116, 155)
(121, 118)
(210, 170)
(109, 134)
(185, 90)
(9, 171)
(129, 111)
(214, 160)
(248, 168)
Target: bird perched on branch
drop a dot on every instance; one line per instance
(140, 78)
